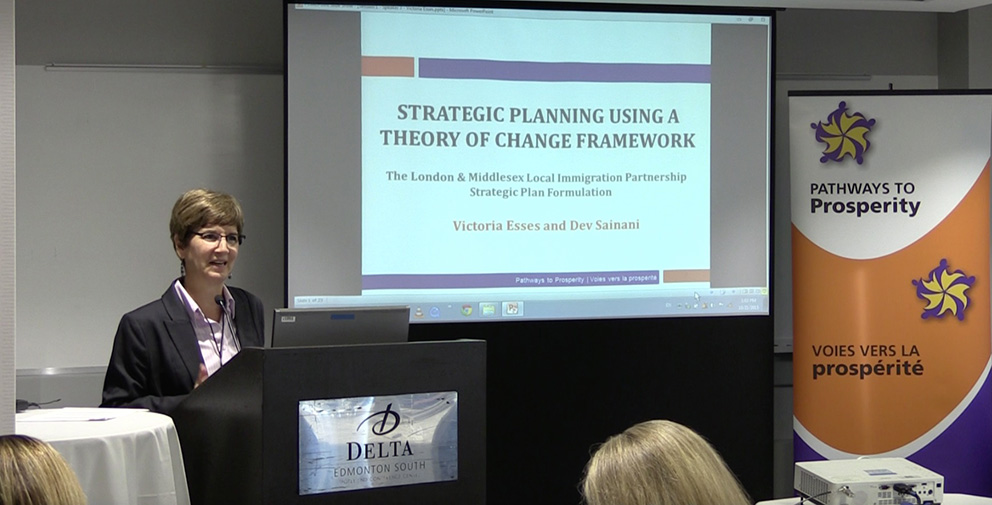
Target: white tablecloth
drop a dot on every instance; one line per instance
(128, 457)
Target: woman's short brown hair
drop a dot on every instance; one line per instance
(203, 207)
(33, 473)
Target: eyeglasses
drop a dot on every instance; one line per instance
(211, 237)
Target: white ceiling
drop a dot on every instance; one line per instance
(880, 5)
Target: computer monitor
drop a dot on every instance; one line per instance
(340, 326)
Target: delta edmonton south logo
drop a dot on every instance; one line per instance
(389, 421)
(844, 134)
(944, 292)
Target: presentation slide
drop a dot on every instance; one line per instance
(505, 164)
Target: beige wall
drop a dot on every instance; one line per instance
(8, 237)
(980, 48)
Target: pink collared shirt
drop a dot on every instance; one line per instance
(215, 338)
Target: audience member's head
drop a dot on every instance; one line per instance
(660, 463)
(33, 473)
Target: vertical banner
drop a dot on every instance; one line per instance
(891, 261)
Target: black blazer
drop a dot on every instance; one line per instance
(156, 358)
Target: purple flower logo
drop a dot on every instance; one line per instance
(944, 291)
(844, 134)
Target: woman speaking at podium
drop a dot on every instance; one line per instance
(166, 348)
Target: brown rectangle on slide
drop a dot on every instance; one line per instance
(386, 66)
(686, 275)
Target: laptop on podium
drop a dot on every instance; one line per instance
(340, 326)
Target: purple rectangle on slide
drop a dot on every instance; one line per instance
(530, 280)
(446, 68)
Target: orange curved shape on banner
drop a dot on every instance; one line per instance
(843, 307)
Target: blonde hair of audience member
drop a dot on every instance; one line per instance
(34, 473)
(660, 463)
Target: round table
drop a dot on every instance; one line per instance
(121, 456)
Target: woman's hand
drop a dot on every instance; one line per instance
(202, 377)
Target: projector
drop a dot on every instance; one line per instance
(868, 481)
